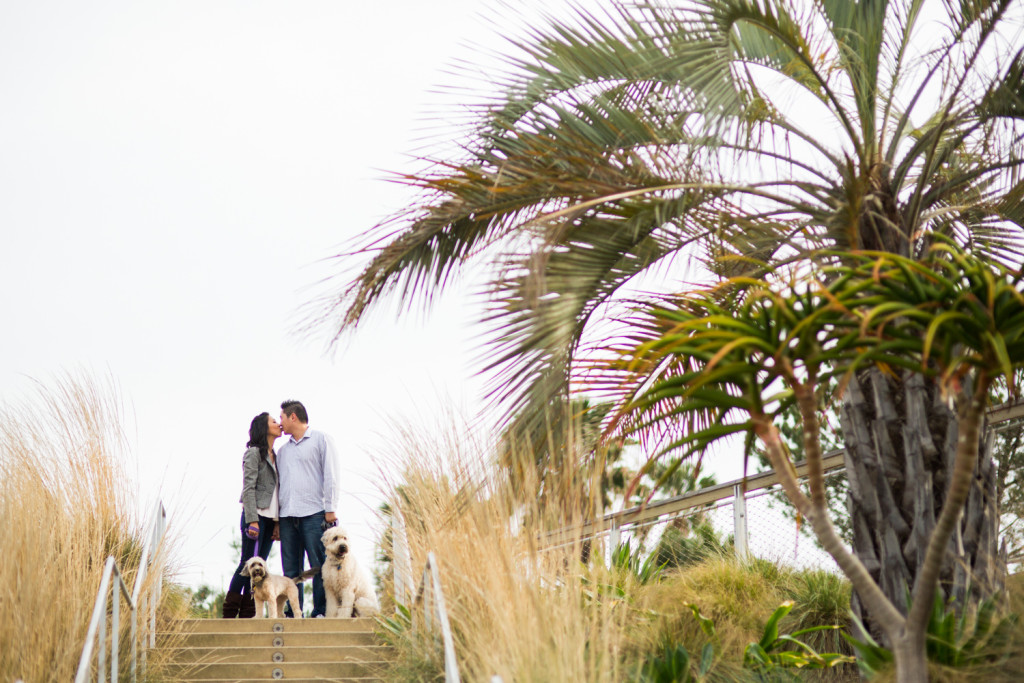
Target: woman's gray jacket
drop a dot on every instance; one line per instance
(258, 482)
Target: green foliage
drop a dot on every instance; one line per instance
(954, 641)
(871, 657)
(417, 657)
(206, 602)
(787, 651)
(629, 569)
(958, 642)
(820, 598)
(398, 626)
(678, 548)
(633, 561)
(674, 663)
(673, 666)
(771, 658)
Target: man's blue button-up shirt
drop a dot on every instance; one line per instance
(306, 471)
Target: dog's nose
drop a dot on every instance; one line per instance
(343, 548)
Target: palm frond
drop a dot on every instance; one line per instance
(624, 143)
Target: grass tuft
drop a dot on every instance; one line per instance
(516, 612)
(66, 503)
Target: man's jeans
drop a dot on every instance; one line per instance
(302, 535)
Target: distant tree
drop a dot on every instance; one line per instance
(561, 460)
(206, 602)
(682, 547)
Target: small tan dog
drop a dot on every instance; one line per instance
(349, 591)
(273, 590)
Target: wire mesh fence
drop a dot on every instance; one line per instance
(762, 525)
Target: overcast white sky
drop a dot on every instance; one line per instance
(170, 176)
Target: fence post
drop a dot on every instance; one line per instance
(428, 597)
(739, 512)
(402, 561)
(614, 538)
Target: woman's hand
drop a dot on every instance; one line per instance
(275, 535)
(253, 530)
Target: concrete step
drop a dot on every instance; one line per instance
(273, 671)
(290, 680)
(242, 650)
(351, 639)
(273, 625)
(326, 653)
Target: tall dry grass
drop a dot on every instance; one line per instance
(532, 614)
(515, 611)
(66, 503)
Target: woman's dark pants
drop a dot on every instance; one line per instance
(260, 545)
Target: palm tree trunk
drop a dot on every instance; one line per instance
(900, 440)
(911, 662)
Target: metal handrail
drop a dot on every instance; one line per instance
(671, 507)
(136, 600)
(737, 490)
(430, 585)
(451, 666)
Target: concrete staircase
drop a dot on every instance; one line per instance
(239, 650)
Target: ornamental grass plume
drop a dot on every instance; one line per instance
(515, 611)
(66, 503)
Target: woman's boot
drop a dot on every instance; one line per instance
(232, 601)
(247, 607)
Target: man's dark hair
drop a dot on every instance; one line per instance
(295, 409)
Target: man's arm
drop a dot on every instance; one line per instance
(330, 480)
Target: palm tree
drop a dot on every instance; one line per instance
(747, 351)
(741, 136)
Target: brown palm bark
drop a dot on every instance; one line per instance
(901, 442)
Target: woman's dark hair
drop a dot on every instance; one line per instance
(258, 434)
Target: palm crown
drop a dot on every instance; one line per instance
(721, 130)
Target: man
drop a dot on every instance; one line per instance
(306, 467)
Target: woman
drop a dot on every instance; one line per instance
(259, 510)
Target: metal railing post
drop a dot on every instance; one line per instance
(400, 556)
(428, 597)
(135, 643)
(434, 608)
(140, 614)
(102, 637)
(137, 602)
(739, 513)
(115, 627)
(451, 667)
(614, 539)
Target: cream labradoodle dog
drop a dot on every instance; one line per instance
(349, 591)
(273, 590)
